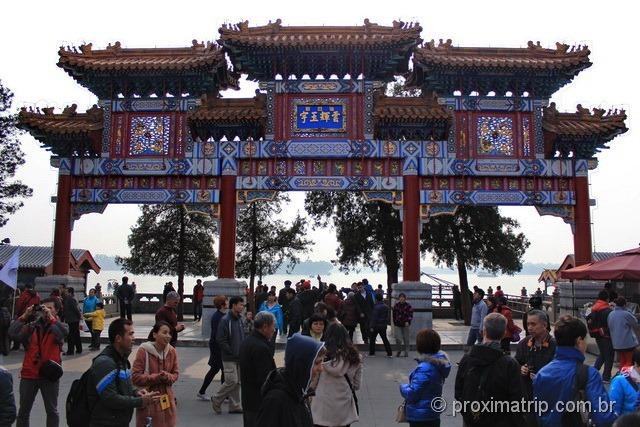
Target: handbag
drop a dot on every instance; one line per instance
(50, 371)
(401, 413)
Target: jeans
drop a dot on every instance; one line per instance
(474, 335)
(28, 391)
(402, 335)
(231, 386)
(73, 340)
(372, 340)
(605, 356)
(197, 310)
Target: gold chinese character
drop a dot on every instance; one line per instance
(324, 116)
(303, 116)
(314, 116)
(336, 116)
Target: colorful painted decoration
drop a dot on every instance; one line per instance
(495, 136)
(149, 135)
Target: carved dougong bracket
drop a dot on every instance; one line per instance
(566, 212)
(392, 197)
(245, 197)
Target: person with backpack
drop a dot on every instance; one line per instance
(486, 374)
(625, 386)
(599, 330)
(155, 368)
(567, 379)
(111, 394)
(42, 334)
(426, 381)
(335, 402)
(7, 399)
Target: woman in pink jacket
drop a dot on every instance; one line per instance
(155, 368)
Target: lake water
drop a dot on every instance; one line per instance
(154, 284)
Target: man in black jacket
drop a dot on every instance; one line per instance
(125, 297)
(284, 303)
(71, 314)
(256, 361)
(295, 312)
(487, 375)
(366, 307)
(378, 326)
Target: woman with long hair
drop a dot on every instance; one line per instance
(335, 402)
(155, 368)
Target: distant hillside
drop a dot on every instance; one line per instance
(309, 268)
(107, 262)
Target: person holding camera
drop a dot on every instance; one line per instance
(42, 334)
(534, 351)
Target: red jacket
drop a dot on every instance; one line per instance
(26, 300)
(601, 328)
(44, 340)
(333, 301)
(168, 314)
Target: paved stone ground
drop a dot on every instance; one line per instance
(378, 396)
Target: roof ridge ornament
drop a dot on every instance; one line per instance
(115, 48)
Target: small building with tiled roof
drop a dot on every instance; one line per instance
(411, 118)
(37, 261)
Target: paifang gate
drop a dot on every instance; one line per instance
(482, 133)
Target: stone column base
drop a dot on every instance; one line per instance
(419, 296)
(227, 287)
(45, 284)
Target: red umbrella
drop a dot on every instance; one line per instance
(625, 267)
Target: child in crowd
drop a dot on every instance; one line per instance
(97, 325)
(247, 323)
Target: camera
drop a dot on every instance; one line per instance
(37, 314)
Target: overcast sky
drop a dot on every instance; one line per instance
(33, 32)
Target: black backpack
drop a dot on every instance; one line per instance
(79, 405)
(579, 392)
(474, 390)
(597, 323)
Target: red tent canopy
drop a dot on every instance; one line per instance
(624, 266)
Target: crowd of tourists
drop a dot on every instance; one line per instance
(322, 373)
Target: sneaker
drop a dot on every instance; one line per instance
(217, 406)
(202, 396)
(237, 410)
(390, 356)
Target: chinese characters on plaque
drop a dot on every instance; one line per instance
(328, 118)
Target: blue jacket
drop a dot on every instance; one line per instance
(478, 313)
(89, 305)
(276, 310)
(425, 384)
(622, 393)
(554, 383)
(379, 316)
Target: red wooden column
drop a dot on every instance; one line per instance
(411, 230)
(62, 234)
(582, 232)
(227, 246)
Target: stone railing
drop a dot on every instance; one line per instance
(143, 303)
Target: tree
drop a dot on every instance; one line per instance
(265, 243)
(167, 240)
(368, 233)
(474, 237)
(11, 156)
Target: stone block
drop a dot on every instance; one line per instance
(226, 287)
(419, 296)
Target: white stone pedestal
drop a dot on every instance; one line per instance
(227, 287)
(419, 296)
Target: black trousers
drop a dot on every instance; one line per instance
(73, 340)
(364, 328)
(606, 356)
(293, 328)
(125, 310)
(372, 341)
(197, 311)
